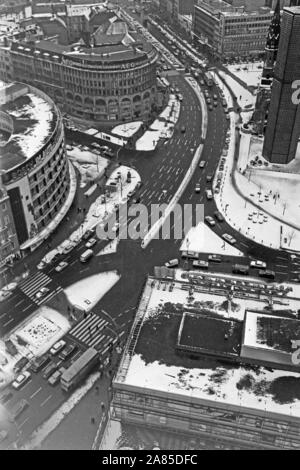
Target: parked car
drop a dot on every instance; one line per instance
(197, 188)
(202, 164)
(88, 234)
(61, 266)
(215, 258)
(54, 378)
(209, 220)
(209, 178)
(52, 367)
(21, 380)
(67, 352)
(57, 347)
(258, 264)
(41, 265)
(20, 364)
(91, 243)
(183, 129)
(200, 264)
(68, 248)
(172, 263)
(268, 274)
(39, 362)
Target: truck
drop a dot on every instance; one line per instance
(240, 269)
(80, 368)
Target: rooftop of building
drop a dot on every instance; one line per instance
(33, 120)
(154, 362)
(110, 51)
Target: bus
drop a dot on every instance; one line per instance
(79, 369)
(208, 79)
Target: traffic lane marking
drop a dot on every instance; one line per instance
(36, 392)
(46, 400)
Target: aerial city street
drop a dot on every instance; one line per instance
(150, 225)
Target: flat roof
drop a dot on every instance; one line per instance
(152, 363)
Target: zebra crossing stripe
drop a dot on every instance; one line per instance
(88, 332)
(50, 295)
(83, 325)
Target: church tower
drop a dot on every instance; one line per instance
(272, 43)
(263, 97)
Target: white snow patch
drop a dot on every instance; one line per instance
(128, 129)
(202, 239)
(86, 293)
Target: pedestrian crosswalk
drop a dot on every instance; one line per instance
(32, 285)
(93, 331)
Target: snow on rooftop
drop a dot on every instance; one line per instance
(33, 123)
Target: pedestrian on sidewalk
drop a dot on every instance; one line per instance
(102, 407)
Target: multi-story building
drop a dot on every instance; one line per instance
(231, 31)
(193, 368)
(35, 170)
(109, 75)
(9, 246)
(283, 126)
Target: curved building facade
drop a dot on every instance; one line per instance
(100, 84)
(34, 168)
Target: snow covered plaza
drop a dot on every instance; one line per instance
(229, 381)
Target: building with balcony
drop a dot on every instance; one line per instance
(34, 168)
(215, 367)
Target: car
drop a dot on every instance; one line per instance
(227, 117)
(215, 97)
(21, 380)
(183, 129)
(88, 234)
(209, 178)
(172, 263)
(208, 100)
(41, 265)
(209, 194)
(215, 258)
(68, 248)
(202, 164)
(209, 220)
(3, 435)
(228, 238)
(240, 269)
(219, 216)
(258, 264)
(197, 188)
(267, 273)
(57, 347)
(67, 352)
(39, 362)
(54, 378)
(91, 243)
(42, 292)
(215, 103)
(20, 364)
(200, 264)
(61, 266)
(49, 370)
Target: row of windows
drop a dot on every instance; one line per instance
(49, 217)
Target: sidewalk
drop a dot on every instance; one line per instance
(72, 221)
